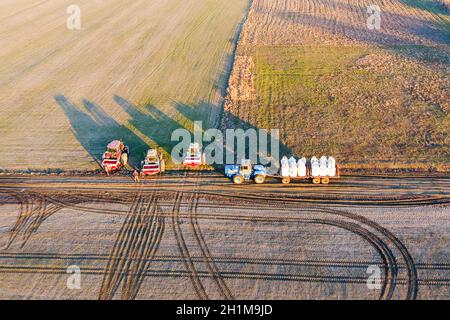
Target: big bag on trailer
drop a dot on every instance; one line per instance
(292, 167)
(315, 167)
(284, 168)
(323, 164)
(331, 167)
(301, 167)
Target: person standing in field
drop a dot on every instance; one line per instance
(136, 176)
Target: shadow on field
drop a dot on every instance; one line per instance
(158, 126)
(230, 121)
(398, 41)
(428, 5)
(94, 129)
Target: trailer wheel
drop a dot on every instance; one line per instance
(325, 180)
(316, 180)
(259, 179)
(238, 179)
(285, 180)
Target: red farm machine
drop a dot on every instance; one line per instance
(153, 163)
(115, 157)
(194, 156)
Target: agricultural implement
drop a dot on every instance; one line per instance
(246, 171)
(115, 156)
(153, 163)
(194, 156)
(318, 171)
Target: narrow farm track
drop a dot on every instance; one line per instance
(34, 210)
(222, 260)
(22, 269)
(363, 190)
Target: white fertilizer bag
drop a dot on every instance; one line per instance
(292, 167)
(323, 166)
(301, 167)
(331, 167)
(315, 167)
(284, 168)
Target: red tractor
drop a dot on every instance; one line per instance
(153, 163)
(115, 156)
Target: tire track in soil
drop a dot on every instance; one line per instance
(134, 249)
(409, 261)
(387, 252)
(49, 269)
(181, 243)
(412, 272)
(32, 215)
(206, 253)
(228, 260)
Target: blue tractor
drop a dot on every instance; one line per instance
(245, 172)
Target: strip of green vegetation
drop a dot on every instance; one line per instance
(286, 75)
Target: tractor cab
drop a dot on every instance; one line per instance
(246, 168)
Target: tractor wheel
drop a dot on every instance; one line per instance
(238, 179)
(259, 179)
(124, 159)
(285, 180)
(316, 180)
(325, 180)
(162, 166)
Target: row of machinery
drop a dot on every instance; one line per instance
(117, 153)
(317, 170)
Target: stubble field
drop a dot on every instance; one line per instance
(135, 71)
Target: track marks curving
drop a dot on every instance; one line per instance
(34, 210)
(135, 247)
